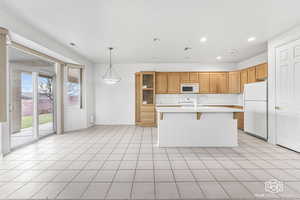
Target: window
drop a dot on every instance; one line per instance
(74, 87)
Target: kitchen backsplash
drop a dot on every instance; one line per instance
(234, 99)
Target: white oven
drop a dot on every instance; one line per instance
(189, 88)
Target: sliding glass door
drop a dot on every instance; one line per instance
(21, 108)
(46, 105)
(32, 101)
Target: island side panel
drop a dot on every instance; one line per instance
(185, 130)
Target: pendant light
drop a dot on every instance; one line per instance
(110, 77)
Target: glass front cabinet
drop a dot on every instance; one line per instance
(145, 98)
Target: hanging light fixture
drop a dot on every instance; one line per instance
(111, 77)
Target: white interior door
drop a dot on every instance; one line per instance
(288, 95)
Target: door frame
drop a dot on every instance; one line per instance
(283, 39)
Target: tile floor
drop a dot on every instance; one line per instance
(123, 162)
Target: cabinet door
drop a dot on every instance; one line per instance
(251, 75)
(244, 79)
(204, 82)
(193, 77)
(173, 82)
(261, 71)
(218, 82)
(234, 82)
(161, 82)
(184, 77)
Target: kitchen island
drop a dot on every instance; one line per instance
(202, 126)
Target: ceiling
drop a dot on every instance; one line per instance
(131, 25)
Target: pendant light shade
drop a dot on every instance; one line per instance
(111, 77)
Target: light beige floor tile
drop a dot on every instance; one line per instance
(190, 190)
(203, 175)
(183, 175)
(66, 176)
(124, 176)
(166, 191)
(143, 191)
(144, 176)
(119, 191)
(212, 190)
(222, 175)
(50, 191)
(164, 176)
(27, 191)
(73, 191)
(96, 191)
(105, 176)
(236, 190)
(85, 176)
(9, 188)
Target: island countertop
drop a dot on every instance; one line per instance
(202, 109)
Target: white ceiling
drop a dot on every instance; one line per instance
(131, 25)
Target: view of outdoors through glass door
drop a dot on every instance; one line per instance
(22, 108)
(30, 77)
(45, 106)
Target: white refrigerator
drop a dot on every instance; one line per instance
(256, 109)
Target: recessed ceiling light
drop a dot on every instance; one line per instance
(203, 39)
(72, 44)
(251, 39)
(218, 57)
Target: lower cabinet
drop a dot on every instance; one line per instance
(147, 115)
(240, 120)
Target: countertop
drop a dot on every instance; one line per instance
(219, 104)
(198, 109)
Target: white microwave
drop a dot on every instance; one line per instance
(189, 88)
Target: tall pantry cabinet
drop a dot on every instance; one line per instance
(145, 98)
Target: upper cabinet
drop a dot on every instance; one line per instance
(193, 77)
(261, 71)
(203, 78)
(161, 82)
(234, 82)
(244, 79)
(218, 82)
(251, 75)
(184, 77)
(209, 82)
(174, 82)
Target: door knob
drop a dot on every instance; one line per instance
(277, 108)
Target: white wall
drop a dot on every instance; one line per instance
(115, 104)
(255, 60)
(72, 116)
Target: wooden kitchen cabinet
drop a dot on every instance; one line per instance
(174, 82)
(240, 119)
(161, 82)
(193, 77)
(218, 82)
(251, 75)
(234, 82)
(145, 98)
(184, 77)
(244, 79)
(203, 80)
(261, 72)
